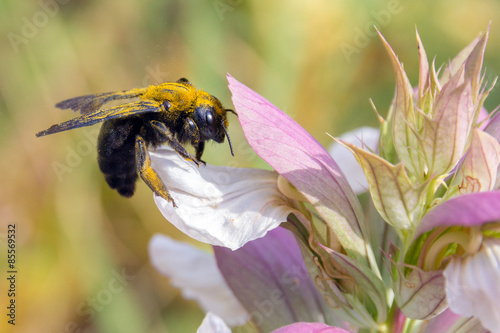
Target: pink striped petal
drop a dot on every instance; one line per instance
(309, 328)
(465, 210)
(298, 157)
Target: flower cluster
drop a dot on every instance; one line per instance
(296, 251)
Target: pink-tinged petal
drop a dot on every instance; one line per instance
(309, 328)
(213, 324)
(220, 205)
(195, 272)
(395, 197)
(420, 294)
(404, 117)
(424, 80)
(466, 210)
(479, 169)
(483, 116)
(472, 284)
(370, 287)
(270, 279)
(298, 157)
(363, 137)
(493, 127)
(458, 61)
(474, 63)
(446, 134)
(441, 323)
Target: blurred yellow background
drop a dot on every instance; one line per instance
(318, 60)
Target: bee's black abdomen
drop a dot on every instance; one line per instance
(116, 153)
(124, 185)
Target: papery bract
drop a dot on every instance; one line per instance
(397, 200)
(493, 127)
(457, 62)
(446, 133)
(364, 137)
(404, 117)
(479, 170)
(420, 294)
(431, 125)
(372, 292)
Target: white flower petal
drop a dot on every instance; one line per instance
(363, 137)
(472, 285)
(221, 206)
(213, 324)
(196, 273)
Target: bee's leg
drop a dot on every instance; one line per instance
(199, 151)
(173, 142)
(148, 175)
(192, 133)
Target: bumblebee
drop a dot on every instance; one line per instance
(174, 113)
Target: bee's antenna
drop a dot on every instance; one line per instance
(232, 111)
(228, 140)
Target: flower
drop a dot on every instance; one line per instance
(299, 158)
(472, 271)
(434, 183)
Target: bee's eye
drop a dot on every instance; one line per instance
(166, 105)
(210, 117)
(206, 119)
(192, 125)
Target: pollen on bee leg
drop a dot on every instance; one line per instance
(289, 190)
(148, 174)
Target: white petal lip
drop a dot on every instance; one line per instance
(222, 206)
(363, 137)
(195, 272)
(472, 285)
(213, 324)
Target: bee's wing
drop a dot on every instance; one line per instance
(90, 103)
(119, 111)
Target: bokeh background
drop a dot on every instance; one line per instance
(317, 60)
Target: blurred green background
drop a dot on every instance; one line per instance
(317, 60)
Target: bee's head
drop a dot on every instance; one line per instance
(211, 119)
(210, 123)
